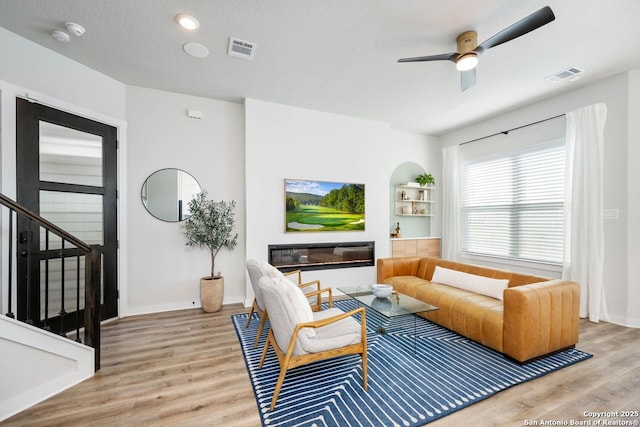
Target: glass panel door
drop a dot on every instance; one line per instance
(69, 156)
(79, 214)
(66, 173)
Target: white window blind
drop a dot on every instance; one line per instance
(512, 204)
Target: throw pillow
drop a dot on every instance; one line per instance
(470, 282)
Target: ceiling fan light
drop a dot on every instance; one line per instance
(187, 21)
(467, 61)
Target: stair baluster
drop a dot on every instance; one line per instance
(10, 273)
(78, 295)
(62, 312)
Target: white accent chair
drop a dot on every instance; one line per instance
(257, 269)
(300, 336)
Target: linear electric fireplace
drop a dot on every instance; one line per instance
(321, 256)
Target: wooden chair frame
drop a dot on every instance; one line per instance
(288, 361)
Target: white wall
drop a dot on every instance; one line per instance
(287, 142)
(43, 71)
(620, 243)
(163, 272)
(28, 69)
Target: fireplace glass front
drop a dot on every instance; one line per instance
(320, 256)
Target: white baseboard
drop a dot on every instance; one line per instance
(181, 305)
(624, 321)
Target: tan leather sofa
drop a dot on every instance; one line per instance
(537, 315)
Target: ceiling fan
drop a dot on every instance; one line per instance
(466, 58)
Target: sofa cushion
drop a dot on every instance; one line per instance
(473, 315)
(407, 285)
(493, 288)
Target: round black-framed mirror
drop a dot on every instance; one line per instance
(166, 194)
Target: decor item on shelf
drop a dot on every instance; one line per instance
(414, 199)
(425, 179)
(397, 229)
(211, 225)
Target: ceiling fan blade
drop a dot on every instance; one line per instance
(520, 28)
(467, 79)
(442, 57)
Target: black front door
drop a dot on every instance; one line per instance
(66, 170)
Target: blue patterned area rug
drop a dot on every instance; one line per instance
(418, 372)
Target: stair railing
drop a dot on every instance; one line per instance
(92, 278)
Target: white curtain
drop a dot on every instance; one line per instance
(584, 219)
(450, 202)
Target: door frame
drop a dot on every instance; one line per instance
(8, 184)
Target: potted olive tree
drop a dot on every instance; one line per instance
(211, 225)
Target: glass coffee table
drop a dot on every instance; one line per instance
(397, 304)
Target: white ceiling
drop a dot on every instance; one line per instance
(341, 56)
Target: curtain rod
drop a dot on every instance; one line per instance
(505, 132)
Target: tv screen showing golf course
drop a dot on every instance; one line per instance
(312, 206)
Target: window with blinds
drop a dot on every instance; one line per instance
(513, 204)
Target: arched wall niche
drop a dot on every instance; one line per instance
(409, 226)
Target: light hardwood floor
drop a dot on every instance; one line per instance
(186, 368)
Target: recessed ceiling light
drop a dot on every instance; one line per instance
(196, 49)
(187, 21)
(60, 36)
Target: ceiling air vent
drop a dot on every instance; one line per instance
(571, 74)
(241, 49)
